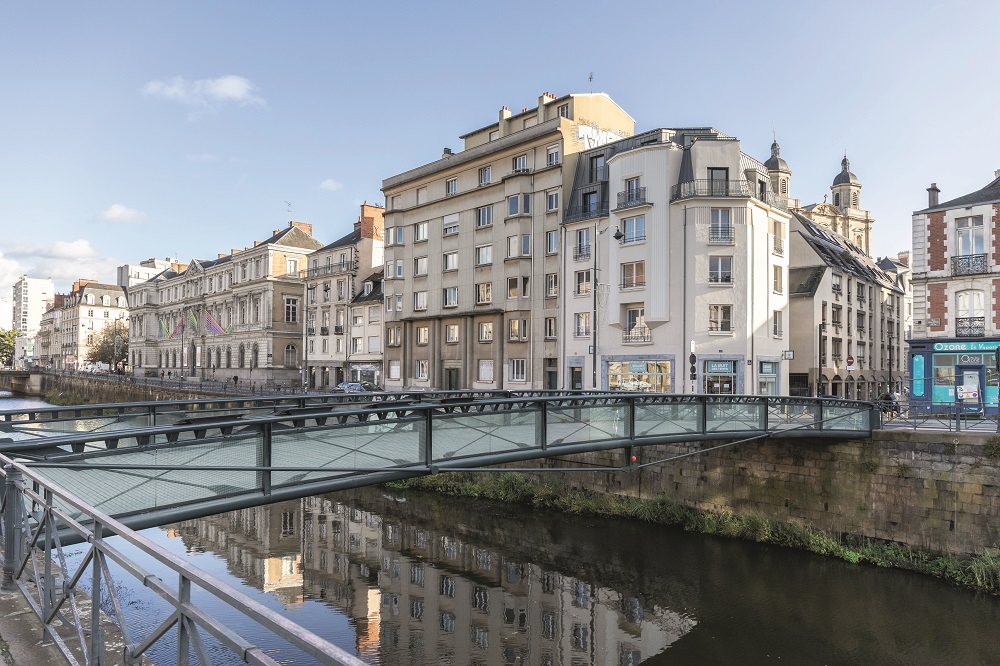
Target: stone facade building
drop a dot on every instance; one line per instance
(956, 287)
(70, 327)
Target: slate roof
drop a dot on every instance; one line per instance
(805, 280)
(376, 292)
(989, 194)
(349, 240)
(839, 253)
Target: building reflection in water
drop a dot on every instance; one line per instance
(421, 594)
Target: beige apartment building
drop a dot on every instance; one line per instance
(239, 315)
(70, 328)
(344, 305)
(470, 239)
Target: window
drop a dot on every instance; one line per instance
(393, 336)
(450, 224)
(423, 335)
(837, 283)
(484, 216)
(776, 320)
(420, 300)
(720, 318)
(451, 187)
(419, 232)
(518, 204)
(634, 229)
(551, 201)
(484, 176)
(854, 199)
(551, 242)
(512, 283)
(517, 329)
(512, 204)
(399, 302)
(291, 266)
(291, 309)
(520, 163)
(633, 274)
(970, 235)
(552, 155)
(551, 285)
(484, 255)
(486, 331)
(450, 295)
(721, 229)
(420, 369)
(635, 326)
(512, 246)
(451, 333)
(518, 369)
(357, 316)
(450, 261)
(778, 281)
(718, 181)
(484, 293)
(563, 110)
(357, 345)
(291, 356)
(582, 283)
(485, 370)
(419, 266)
(582, 244)
(525, 291)
(550, 328)
(836, 199)
(596, 168)
(720, 270)
(396, 236)
(970, 303)
(581, 324)
(421, 195)
(525, 245)
(399, 269)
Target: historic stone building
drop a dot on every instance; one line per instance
(237, 316)
(70, 327)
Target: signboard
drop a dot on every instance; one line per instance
(965, 346)
(967, 392)
(934, 321)
(637, 367)
(850, 362)
(719, 367)
(70, 358)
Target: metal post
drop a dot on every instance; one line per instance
(48, 577)
(13, 528)
(96, 632)
(594, 284)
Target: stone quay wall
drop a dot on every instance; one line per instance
(936, 491)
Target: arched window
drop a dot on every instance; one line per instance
(218, 357)
(242, 357)
(291, 356)
(836, 199)
(121, 302)
(90, 299)
(254, 357)
(105, 300)
(854, 200)
(229, 357)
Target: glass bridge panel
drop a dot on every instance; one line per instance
(653, 420)
(477, 433)
(846, 418)
(579, 424)
(733, 416)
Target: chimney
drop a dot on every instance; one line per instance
(302, 226)
(932, 195)
(233, 250)
(371, 221)
(447, 153)
(276, 232)
(996, 173)
(221, 255)
(904, 257)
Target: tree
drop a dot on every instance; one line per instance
(7, 344)
(110, 346)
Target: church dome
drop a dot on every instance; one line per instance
(845, 177)
(776, 163)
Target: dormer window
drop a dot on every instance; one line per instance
(368, 288)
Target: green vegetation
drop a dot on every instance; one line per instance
(7, 342)
(992, 447)
(981, 572)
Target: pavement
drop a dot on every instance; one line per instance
(21, 634)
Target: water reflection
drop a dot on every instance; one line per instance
(435, 592)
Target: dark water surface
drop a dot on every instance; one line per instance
(422, 579)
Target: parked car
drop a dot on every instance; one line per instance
(358, 387)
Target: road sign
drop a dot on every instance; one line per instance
(850, 362)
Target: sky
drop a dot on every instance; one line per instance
(186, 129)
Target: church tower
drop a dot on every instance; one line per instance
(846, 188)
(777, 168)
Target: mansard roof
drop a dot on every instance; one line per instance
(989, 194)
(839, 253)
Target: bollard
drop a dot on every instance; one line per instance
(13, 529)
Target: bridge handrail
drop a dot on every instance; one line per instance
(29, 533)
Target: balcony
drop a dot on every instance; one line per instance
(338, 330)
(633, 283)
(726, 188)
(324, 330)
(581, 252)
(779, 246)
(630, 198)
(311, 330)
(970, 327)
(722, 234)
(586, 211)
(598, 174)
(637, 334)
(969, 264)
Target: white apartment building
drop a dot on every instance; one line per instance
(70, 327)
(956, 288)
(130, 275)
(470, 241)
(31, 297)
(674, 270)
(343, 334)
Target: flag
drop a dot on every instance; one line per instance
(164, 331)
(177, 329)
(212, 326)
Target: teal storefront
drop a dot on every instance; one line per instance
(946, 372)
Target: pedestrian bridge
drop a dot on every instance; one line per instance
(154, 463)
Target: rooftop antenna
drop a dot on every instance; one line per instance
(289, 204)
(591, 79)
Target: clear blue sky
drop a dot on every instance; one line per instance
(134, 130)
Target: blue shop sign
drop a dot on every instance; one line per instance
(966, 346)
(719, 367)
(637, 367)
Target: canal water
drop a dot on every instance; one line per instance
(421, 579)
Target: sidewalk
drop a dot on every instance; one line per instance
(21, 635)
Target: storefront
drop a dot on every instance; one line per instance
(654, 375)
(949, 371)
(719, 377)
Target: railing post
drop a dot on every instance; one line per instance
(428, 447)
(13, 528)
(543, 425)
(183, 638)
(96, 631)
(265, 458)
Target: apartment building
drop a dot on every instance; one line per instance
(70, 327)
(675, 268)
(956, 285)
(471, 239)
(338, 282)
(130, 275)
(31, 297)
(237, 316)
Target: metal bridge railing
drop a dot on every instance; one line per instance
(70, 599)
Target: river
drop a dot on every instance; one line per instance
(423, 579)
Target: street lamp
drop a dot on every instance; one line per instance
(618, 235)
(819, 359)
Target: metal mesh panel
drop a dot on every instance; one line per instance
(730, 417)
(585, 423)
(370, 445)
(669, 419)
(134, 490)
(457, 435)
(845, 418)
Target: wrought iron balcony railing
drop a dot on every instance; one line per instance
(722, 234)
(581, 252)
(726, 188)
(586, 211)
(637, 334)
(969, 264)
(970, 327)
(634, 197)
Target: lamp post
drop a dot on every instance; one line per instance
(618, 235)
(819, 359)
